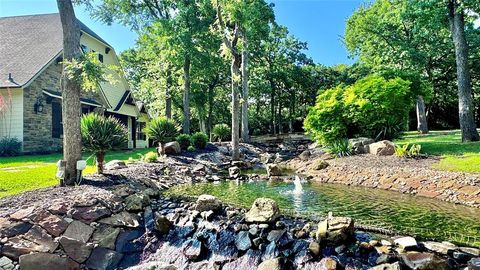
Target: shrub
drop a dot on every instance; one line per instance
(340, 148)
(150, 157)
(373, 107)
(191, 149)
(10, 147)
(199, 140)
(407, 151)
(184, 141)
(221, 132)
(101, 134)
(161, 130)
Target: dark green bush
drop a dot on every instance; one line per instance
(10, 147)
(373, 107)
(221, 132)
(183, 140)
(199, 140)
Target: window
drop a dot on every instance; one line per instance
(84, 48)
(140, 134)
(57, 125)
(100, 57)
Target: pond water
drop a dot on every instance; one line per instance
(421, 217)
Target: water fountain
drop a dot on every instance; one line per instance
(298, 185)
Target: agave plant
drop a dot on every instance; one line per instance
(161, 130)
(101, 134)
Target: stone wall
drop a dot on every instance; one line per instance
(37, 127)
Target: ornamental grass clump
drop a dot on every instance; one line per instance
(101, 134)
(161, 130)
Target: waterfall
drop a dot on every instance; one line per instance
(298, 185)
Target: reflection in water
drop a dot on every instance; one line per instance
(423, 217)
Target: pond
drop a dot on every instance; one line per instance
(421, 217)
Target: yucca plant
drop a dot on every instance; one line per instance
(340, 148)
(161, 130)
(101, 134)
(221, 132)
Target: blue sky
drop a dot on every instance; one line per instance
(320, 23)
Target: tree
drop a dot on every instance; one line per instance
(71, 107)
(465, 102)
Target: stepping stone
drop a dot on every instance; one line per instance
(79, 231)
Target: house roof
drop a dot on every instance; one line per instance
(29, 43)
(86, 101)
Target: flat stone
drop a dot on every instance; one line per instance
(106, 236)
(407, 242)
(43, 261)
(103, 259)
(442, 248)
(76, 250)
(60, 207)
(23, 213)
(272, 264)
(192, 249)
(90, 214)
(387, 266)
(335, 229)
(115, 165)
(124, 219)
(472, 251)
(242, 241)
(11, 229)
(52, 223)
(40, 237)
(424, 261)
(79, 231)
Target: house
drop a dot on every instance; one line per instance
(30, 92)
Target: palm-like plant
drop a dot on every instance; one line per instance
(161, 130)
(101, 134)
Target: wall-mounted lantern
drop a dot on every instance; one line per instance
(38, 106)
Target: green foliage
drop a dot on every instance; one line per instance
(374, 107)
(221, 132)
(199, 140)
(161, 130)
(184, 141)
(340, 148)
(150, 157)
(10, 147)
(407, 150)
(191, 148)
(89, 71)
(101, 134)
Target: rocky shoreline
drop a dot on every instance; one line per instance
(121, 220)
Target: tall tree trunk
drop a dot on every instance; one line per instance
(210, 110)
(201, 123)
(422, 125)
(272, 107)
(186, 95)
(465, 102)
(168, 94)
(235, 70)
(100, 156)
(245, 130)
(291, 111)
(71, 108)
(280, 129)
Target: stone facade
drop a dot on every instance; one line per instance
(37, 127)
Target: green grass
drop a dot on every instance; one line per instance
(23, 173)
(457, 156)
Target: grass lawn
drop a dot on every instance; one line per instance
(22, 173)
(457, 156)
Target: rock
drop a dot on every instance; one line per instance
(327, 263)
(336, 229)
(115, 165)
(272, 264)
(266, 158)
(263, 210)
(171, 148)
(6, 263)
(273, 170)
(360, 145)
(382, 148)
(22, 213)
(472, 251)
(40, 237)
(314, 248)
(319, 164)
(234, 172)
(103, 259)
(406, 242)
(10, 229)
(79, 231)
(90, 213)
(162, 225)
(124, 219)
(129, 241)
(106, 236)
(43, 261)
(17, 246)
(242, 241)
(207, 202)
(387, 266)
(474, 264)
(76, 250)
(305, 155)
(192, 249)
(424, 261)
(52, 223)
(442, 248)
(275, 235)
(136, 202)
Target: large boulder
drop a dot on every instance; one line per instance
(263, 210)
(335, 229)
(266, 158)
(115, 165)
(162, 224)
(382, 148)
(360, 145)
(171, 148)
(207, 202)
(136, 202)
(273, 170)
(424, 260)
(42, 261)
(319, 164)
